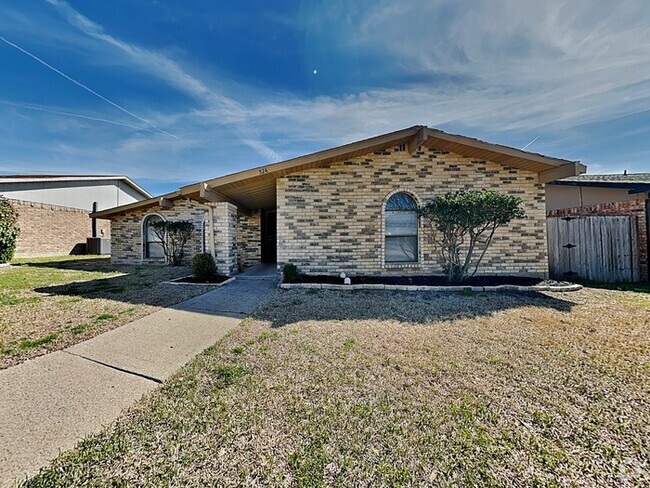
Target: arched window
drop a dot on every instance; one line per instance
(401, 229)
(152, 247)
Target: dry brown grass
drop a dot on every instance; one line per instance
(49, 304)
(388, 389)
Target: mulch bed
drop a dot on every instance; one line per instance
(432, 280)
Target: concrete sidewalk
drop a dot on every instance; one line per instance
(49, 403)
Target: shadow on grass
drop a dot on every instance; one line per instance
(137, 285)
(620, 286)
(292, 306)
(73, 263)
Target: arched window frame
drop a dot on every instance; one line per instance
(418, 258)
(143, 233)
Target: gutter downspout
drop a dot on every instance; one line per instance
(210, 210)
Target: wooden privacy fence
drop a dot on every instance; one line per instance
(599, 248)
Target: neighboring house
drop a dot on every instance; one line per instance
(617, 195)
(589, 190)
(351, 208)
(53, 210)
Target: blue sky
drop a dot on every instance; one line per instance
(172, 92)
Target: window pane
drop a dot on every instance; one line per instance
(401, 249)
(150, 235)
(401, 201)
(155, 250)
(401, 223)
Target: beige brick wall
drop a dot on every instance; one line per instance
(53, 230)
(249, 239)
(127, 240)
(331, 219)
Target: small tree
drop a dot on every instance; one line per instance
(464, 222)
(173, 236)
(9, 230)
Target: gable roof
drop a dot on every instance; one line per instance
(55, 178)
(255, 188)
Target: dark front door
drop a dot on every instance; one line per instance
(269, 236)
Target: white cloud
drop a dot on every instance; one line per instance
(523, 67)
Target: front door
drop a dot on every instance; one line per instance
(269, 236)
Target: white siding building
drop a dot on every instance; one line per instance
(73, 191)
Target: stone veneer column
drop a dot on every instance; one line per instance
(225, 240)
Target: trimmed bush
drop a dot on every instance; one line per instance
(9, 230)
(290, 273)
(203, 266)
(463, 224)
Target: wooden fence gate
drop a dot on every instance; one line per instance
(599, 248)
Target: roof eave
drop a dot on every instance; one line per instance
(109, 212)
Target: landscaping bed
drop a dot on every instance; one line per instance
(428, 283)
(378, 388)
(430, 280)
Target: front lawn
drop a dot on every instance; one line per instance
(50, 303)
(374, 388)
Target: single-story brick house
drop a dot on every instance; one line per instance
(350, 208)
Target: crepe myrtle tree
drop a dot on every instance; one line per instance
(463, 224)
(9, 230)
(173, 235)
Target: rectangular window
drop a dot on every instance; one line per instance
(401, 223)
(401, 237)
(401, 249)
(154, 250)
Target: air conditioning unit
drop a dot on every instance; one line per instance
(98, 245)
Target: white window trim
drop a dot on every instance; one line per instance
(143, 241)
(411, 264)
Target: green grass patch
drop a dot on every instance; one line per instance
(79, 329)
(7, 299)
(27, 344)
(105, 316)
(30, 276)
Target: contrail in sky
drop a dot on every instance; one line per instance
(72, 114)
(529, 143)
(90, 90)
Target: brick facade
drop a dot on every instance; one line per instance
(53, 230)
(249, 239)
(635, 208)
(331, 219)
(127, 242)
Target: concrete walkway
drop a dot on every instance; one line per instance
(49, 403)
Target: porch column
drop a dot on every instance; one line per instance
(225, 242)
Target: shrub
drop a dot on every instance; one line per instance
(290, 273)
(464, 222)
(203, 266)
(9, 230)
(173, 236)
